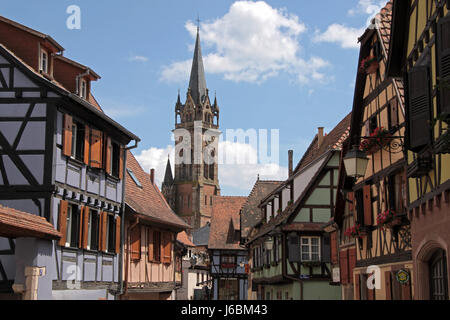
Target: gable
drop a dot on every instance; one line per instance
(320, 194)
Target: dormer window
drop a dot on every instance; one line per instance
(83, 90)
(44, 61)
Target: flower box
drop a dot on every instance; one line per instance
(354, 232)
(379, 138)
(369, 65)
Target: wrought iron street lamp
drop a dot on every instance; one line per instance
(355, 162)
(269, 243)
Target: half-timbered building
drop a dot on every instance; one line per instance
(228, 259)
(250, 216)
(290, 250)
(62, 159)
(152, 267)
(420, 56)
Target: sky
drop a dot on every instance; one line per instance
(285, 66)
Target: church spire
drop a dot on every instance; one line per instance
(168, 177)
(197, 83)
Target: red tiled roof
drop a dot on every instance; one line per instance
(19, 224)
(225, 211)
(251, 214)
(184, 238)
(332, 141)
(148, 201)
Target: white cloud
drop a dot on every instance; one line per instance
(156, 158)
(347, 37)
(138, 59)
(368, 7)
(337, 33)
(236, 176)
(251, 43)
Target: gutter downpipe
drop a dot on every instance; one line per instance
(122, 225)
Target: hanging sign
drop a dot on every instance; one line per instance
(402, 276)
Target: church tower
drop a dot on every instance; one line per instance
(190, 192)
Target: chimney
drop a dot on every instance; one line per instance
(290, 156)
(152, 176)
(320, 136)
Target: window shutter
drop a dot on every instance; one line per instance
(351, 199)
(122, 155)
(104, 217)
(394, 112)
(326, 250)
(367, 205)
(294, 248)
(334, 248)
(343, 265)
(118, 221)
(419, 107)
(62, 221)
(357, 281)
(67, 135)
(107, 162)
(96, 149)
(167, 247)
(136, 243)
(443, 43)
(388, 286)
(370, 293)
(150, 245)
(86, 144)
(85, 217)
(351, 263)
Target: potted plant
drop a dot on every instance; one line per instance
(385, 218)
(377, 139)
(354, 232)
(369, 65)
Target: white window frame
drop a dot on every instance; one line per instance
(74, 140)
(83, 89)
(44, 53)
(89, 240)
(107, 233)
(309, 245)
(69, 221)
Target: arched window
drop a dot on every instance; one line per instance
(438, 276)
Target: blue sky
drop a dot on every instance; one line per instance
(287, 65)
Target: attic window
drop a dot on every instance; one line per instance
(130, 172)
(44, 61)
(83, 90)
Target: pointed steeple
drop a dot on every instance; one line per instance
(197, 83)
(168, 177)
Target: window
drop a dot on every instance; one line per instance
(228, 261)
(310, 248)
(93, 230)
(206, 200)
(438, 276)
(77, 141)
(157, 246)
(44, 61)
(73, 221)
(83, 89)
(115, 159)
(110, 233)
(135, 179)
(210, 200)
